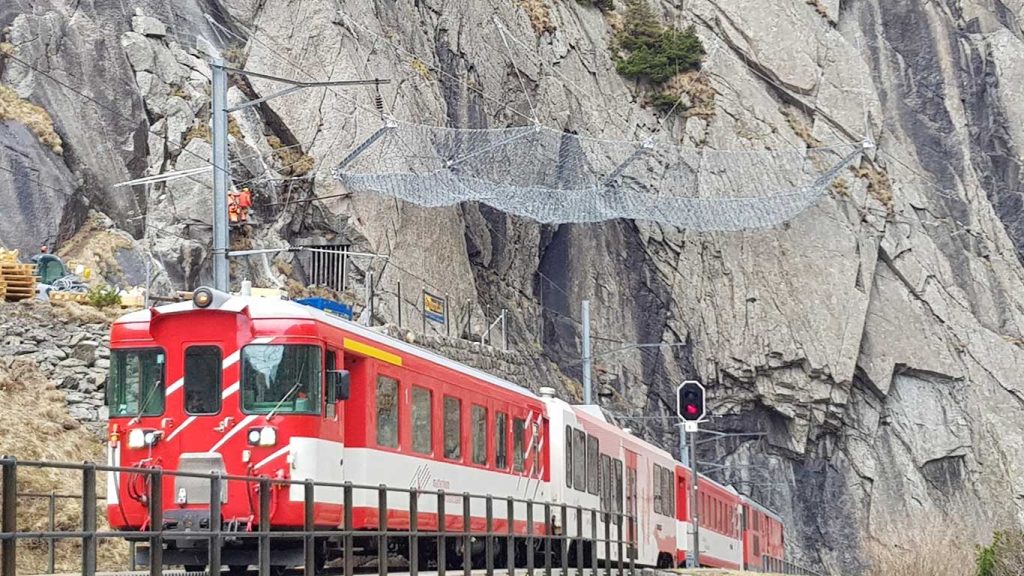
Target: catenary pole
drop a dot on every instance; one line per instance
(221, 170)
(586, 353)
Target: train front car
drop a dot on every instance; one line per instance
(201, 387)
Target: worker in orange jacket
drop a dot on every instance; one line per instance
(244, 204)
(233, 208)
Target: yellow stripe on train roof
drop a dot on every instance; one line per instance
(372, 352)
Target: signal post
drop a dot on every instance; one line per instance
(692, 409)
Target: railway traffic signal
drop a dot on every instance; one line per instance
(690, 401)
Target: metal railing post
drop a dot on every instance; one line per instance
(51, 523)
(579, 541)
(89, 520)
(414, 526)
(563, 546)
(216, 500)
(9, 517)
(264, 528)
(382, 528)
(156, 522)
(593, 542)
(619, 522)
(349, 559)
(634, 549)
(467, 538)
(510, 548)
(488, 535)
(548, 535)
(606, 516)
(308, 527)
(529, 537)
(442, 542)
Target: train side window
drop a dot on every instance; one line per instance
(452, 428)
(387, 412)
(659, 507)
(617, 494)
(568, 456)
(202, 379)
(479, 431)
(422, 420)
(501, 441)
(579, 465)
(593, 453)
(606, 482)
(518, 444)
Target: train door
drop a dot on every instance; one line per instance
(334, 406)
(631, 502)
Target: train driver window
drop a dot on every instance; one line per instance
(568, 456)
(659, 507)
(422, 420)
(479, 432)
(281, 378)
(579, 465)
(202, 379)
(593, 476)
(518, 444)
(501, 441)
(452, 428)
(136, 382)
(387, 412)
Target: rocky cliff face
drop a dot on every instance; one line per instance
(876, 338)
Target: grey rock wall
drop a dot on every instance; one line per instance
(875, 339)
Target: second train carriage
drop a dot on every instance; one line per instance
(263, 388)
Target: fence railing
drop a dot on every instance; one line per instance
(777, 566)
(570, 538)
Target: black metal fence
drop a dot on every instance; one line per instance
(777, 566)
(564, 544)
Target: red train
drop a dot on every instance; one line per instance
(267, 388)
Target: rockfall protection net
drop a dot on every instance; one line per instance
(556, 177)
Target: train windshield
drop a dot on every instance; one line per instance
(281, 378)
(136, 386)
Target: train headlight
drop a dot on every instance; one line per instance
(136, 439)
(265, 436)
(139, 438)
(202, 298)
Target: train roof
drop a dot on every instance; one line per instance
(761, 507)
(269, 308)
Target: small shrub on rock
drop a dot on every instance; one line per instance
(104, 296)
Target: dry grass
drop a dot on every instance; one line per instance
(540, 15)
(37, 119)
(928, 552)
(35, 425)
(698, 88)
(839, 187)
(200, 129)
(802, 129)
(294, 162)
(420, 68)
(879, 185)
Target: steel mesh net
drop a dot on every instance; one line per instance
(557, 177)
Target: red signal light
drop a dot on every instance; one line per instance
(692, 410)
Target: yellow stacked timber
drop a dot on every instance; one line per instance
(79, 297)
(19, 279)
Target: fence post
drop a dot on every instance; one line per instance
(156, 522)
(308, 526)
(399, 303)
(264, 528)
(89, 520)
(619, 517)
(442, 542)
(563, 547)
(467, 539)
(510, 548)
(593, 542)
(51, 543)
(414, 526)
(382, 527)
(549, 534)
(349, 539)
(504, 332)
(579, 541)
(423, 303)
(9, 520)
(447, 316)
(529, 537)
(488, 539)
(216, 499)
